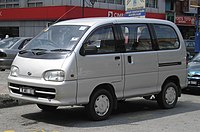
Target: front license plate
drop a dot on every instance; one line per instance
(193, 82)
(27, 91)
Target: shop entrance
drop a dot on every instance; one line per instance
(11, 31)
(187, 31)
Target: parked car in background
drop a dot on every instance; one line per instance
(9, 48)
(194, 72)
(190, 47)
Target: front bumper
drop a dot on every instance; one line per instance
(43, 92)
(194, 82)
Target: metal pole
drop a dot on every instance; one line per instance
(83, 8)
(197, 37)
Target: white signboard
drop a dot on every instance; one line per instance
(134, 4)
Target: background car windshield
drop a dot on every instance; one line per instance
(8, 43)
(196, 58)
(58, 37)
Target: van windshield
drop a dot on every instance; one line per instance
(57, 38)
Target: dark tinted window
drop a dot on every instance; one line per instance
(136, 37)
(103, 39)
(167, 37)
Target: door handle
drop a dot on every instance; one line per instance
(129, 59)
(117, 57)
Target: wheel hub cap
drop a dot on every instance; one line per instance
(170, 95)
(102, 105)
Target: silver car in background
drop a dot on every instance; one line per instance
(9, 48)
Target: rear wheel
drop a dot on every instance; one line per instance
(100, 105)
(47, 107)
(168, 97)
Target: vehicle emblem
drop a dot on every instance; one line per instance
(29, 73)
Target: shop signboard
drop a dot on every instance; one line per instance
(185, 20)
(135, 13)
(48, 13)
(135, 8)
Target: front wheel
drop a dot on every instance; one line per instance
(100, 105)
(168, 97)
(47, 107)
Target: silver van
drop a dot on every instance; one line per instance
(96, 62)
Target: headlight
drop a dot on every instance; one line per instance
(57, 76)
(14, 71)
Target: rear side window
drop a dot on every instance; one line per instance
(136, 37)
(166, 37)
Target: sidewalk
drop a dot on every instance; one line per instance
(5, 99)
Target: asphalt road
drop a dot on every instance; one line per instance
(3, 81)
(136, 115)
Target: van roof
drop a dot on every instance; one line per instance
(104, 20)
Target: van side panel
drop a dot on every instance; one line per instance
(176, 68)
(94, 70)
(172, 62)
(141, 74)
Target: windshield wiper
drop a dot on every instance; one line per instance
(60, 50)
(23, 51)
(38, 49)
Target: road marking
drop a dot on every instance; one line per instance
(9, 131)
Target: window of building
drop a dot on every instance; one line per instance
(35, 3)
(136, 37)
(110, 1)
(166, 37)
(2, 6)
(9, 3)
(152, 3)
(120, 2)
(2, 1)
(31, 5)
(15, 5)
(102, 1)
(169, 5)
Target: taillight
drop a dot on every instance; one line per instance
(2, 55)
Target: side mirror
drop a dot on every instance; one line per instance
(89, 50)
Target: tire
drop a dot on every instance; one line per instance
(47, 107)
(2, 69)
(168, 97)
(100, 106)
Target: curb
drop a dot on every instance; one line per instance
(7, 101)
